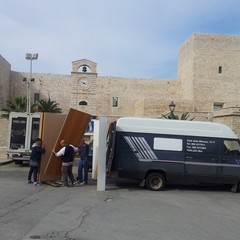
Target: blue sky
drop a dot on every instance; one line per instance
(126, 38)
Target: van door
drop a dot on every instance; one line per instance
(126, 157)
(230, 162)
(201, 160)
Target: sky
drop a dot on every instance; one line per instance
(126, 38)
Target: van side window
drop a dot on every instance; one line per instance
(231, 147)
(169, 144)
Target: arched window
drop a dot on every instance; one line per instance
(82, 103)
(84, 69)
(115, 102)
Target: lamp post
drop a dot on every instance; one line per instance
(172, 107)
(31, 57)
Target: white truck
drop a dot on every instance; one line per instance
(23, 129)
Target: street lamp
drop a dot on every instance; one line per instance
(172, 107)
(30, 56)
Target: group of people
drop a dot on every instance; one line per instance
(66, 153)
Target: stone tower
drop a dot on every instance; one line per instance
(209, 71)
(83, 89)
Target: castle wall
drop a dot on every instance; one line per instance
(199, 82)
(129, 93)
(199, 85)
(3, 137)
(55, 86)
(5, 73)
(211, 52)
(62, 89)
(185, 69)
(229, 116)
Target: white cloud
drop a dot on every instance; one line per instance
(134, 38)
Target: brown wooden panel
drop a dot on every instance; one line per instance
(50, 127)
(72, 131)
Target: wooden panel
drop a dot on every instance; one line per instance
(50, 127)
(72, 131)
(111, 138)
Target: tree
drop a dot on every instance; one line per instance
(48, 106)
(184, 116)
(18, 104)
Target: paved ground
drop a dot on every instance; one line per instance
(123, 211)
(3, 156)
(4, 159)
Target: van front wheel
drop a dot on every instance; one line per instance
(155, 181)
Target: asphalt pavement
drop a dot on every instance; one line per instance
(123, 211)
(4, 160)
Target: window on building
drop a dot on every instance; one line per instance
(217, 106)
(220, 69)
(115, 102)
(83, 103)
(36, 97)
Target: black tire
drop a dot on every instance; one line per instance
(155, 181)
(235, 187)
(18, 162)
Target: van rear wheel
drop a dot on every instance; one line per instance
(155, 181)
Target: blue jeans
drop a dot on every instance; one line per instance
(83, 169)
(34, 171)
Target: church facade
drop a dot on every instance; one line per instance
(207, 86)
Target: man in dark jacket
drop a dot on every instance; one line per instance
(37, 150)
(83, 151)
(67, 154)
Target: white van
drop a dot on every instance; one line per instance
(160, 151)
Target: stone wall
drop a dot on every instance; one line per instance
(64, 90)
(200, 59)
(199, 84)
(55, 86)
(229, 116)
(198, 87)
(3, 137)
(5, 72)
(185, 69)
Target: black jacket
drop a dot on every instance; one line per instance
(68, 155)
(37, 152)
(84, 151)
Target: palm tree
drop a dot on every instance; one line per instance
(48, 106)
(18, 104)
(184, 116)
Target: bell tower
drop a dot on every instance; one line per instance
(83, 75)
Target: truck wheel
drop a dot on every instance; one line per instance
(18, 162)
(155, 181)
(235, 187)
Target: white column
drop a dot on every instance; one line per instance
(95, 149)
(101, 178)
